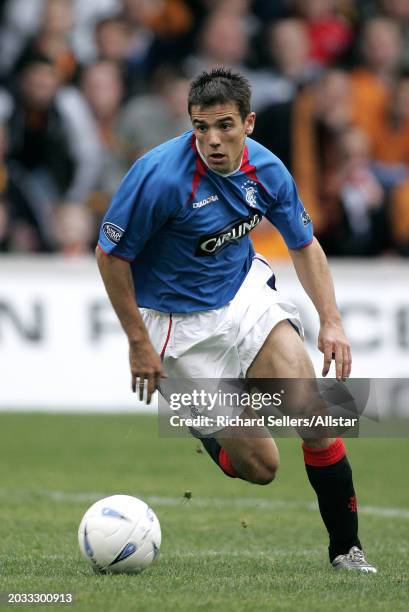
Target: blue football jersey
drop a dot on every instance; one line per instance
(185, 228)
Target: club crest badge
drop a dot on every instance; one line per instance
(250, 187)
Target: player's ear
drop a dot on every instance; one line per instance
(249, 123)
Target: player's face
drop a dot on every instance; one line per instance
(221, 133)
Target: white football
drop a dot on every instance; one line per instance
(119, 534)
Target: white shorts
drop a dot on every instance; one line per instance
(221, 343)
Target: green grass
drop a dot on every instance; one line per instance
(54, 467)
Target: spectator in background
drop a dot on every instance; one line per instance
(329, 33)
(53, 152)
(103, 89)
(390, 142)
(162, 17)
(87, 14)
(239, 8)
(53, 40)
(320, 115)
(23, 20)
(122, 40)
(381, 50)
(304, 134)
(113, 38)
(117, 42)
(73, 229)
(224, 41)
(364, 230)
(399, 10)
(390, 136)
(289, 47)
(165, 26)
(164, 111)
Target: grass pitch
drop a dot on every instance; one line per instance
(233, 546)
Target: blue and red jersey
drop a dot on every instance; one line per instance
(185, 228)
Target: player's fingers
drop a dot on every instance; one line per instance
(347, 362)
(327, 359)
(151, 387)
(339, 362)
(141, 387)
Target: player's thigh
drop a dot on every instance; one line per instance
(283, 355)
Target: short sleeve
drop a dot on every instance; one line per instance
(288, 214)
(140, 207)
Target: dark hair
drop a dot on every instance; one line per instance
(27, 61)
(219, 86)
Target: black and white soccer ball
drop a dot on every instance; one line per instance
(119, 534)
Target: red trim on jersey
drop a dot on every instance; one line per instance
(320, 457)
(162, 353)
(249, 169)
(226, 464)
(113, 254)
(193, 143)
(102, 250)
(199, 172)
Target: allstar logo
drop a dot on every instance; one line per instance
(250, 187)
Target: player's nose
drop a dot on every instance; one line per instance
(214, 138)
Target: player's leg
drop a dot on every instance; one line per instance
(283, 355)
(197, 358)
(249, 452)
(252, 454)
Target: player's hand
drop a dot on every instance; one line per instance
(333, 342)
(145, 365)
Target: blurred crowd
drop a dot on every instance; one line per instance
(87, 86)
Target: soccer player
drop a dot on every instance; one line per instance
(195, 301)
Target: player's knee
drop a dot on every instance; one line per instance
(262, 472)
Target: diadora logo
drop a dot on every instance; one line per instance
(113, 232)
(208, 200)
(233, 233)
(250, 187)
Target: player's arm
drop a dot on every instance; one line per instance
(145, 363)
(314, 274)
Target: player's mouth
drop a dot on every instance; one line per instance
(217, 158)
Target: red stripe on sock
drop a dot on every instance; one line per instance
(320, 457)
(226, 464)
